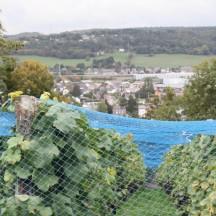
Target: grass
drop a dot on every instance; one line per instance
(147, 202)
(160, 60)
(169, 60)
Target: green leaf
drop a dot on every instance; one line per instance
(60, 142)
(61, 205)
(69, 113)
(92, 154)
(61, 198)
(105, 142)
(85, 153)
(23, 170)
(24, 145)
(212, 195)
(14, 141)
(9, 175)
(34, 203)
(195, 183)
(44, 180)
(22, 198)
(45, 211)
(65, 125)
(11, 108)
(70, 189)
(53, 110)
(43, 124)
(76, 172)
(41, 152)
(34, 200)
(204, 185)
(95, 192)
(11, 156)
(11, 205)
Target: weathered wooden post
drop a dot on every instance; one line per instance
(25, 108)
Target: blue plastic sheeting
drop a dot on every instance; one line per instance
(153, 137)
(7, 121)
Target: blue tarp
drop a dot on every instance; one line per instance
(153, 137)
(7, 121)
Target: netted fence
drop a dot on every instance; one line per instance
(65, 160)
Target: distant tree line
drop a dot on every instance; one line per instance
(150, 41)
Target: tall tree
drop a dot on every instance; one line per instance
(147, 89)
(32, 77)
(153, 103)
(200, 92)
(109, 107)
(102, 107)
(122, 101)
(76, 91)
(168, 109)
(132, 106)
(7, 63)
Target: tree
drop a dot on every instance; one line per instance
(102, 107)
(165, 109)
(168, 109)
(200, 92)
(147, 89)
(153, 103)
(132, 106)
(81, 66)
(32, 77)
(76, 91)
(122, 101)
(7, 63)
(109, 107)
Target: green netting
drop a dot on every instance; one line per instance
(57, 164)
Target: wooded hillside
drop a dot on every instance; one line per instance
(150, 41)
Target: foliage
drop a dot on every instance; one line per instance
(32, 77)
(122, 101)
(146, 41)
(76, 91)
(67, 168)
(109, 107)
(132, 106)
(189, 174)
(81, 66)
(102, 107)
(200, 92)
(57, 96)
(147, 89)
(169, 106)
(7, 63)
(103, 63)
(153, 103)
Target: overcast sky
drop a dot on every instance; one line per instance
(54, 16)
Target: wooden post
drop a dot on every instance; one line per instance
(25, 107)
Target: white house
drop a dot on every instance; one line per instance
(142, 110)
(121, 50)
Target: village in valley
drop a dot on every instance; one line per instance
(125, 92)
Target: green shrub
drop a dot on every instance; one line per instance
(189, 175)
(67, 167)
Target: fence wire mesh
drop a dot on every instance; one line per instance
(57, 164)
